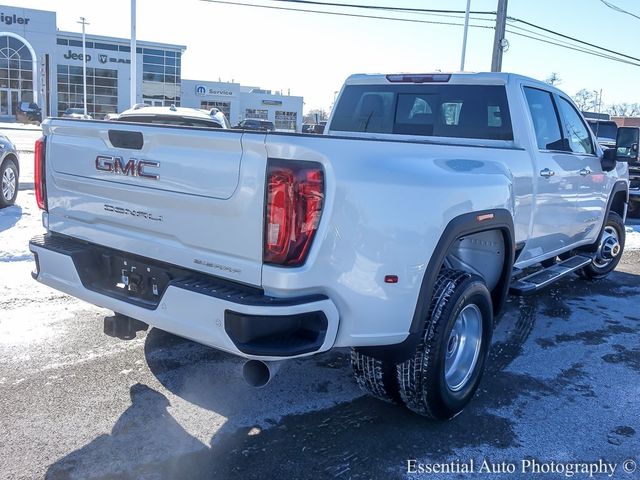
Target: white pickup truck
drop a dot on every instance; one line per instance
(398, 233)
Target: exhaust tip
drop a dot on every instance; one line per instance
(256, 373)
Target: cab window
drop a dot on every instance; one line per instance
(545, 119)
(575, 130)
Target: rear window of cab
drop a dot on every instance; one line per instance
(458, 111)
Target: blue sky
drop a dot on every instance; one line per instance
(311, 54)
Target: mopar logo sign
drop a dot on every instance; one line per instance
(203, 90)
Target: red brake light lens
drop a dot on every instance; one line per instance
(39, 174)
(419, 78)
(295, 197)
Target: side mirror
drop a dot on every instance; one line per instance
(627, 141)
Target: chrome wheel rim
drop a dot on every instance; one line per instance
(463, 348)
(8, 184)
(609, 247)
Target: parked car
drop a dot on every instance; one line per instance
(256, 124)
(77, 113)
(28, 112)
(177, 116)
(318, 128)
(398, 233)
(605, 131)
(306, 127)
(9, 172)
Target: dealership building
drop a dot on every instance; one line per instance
(41, 64)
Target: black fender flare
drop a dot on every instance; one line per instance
(619, 186)
(463, 225)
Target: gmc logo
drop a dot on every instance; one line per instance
(133, 168)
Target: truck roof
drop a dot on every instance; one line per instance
(482, 78)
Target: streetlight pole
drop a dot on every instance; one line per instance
(84, 65)
(464, 35)
(134, 53)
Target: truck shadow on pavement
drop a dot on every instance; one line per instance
(145, 419)
(311, 422)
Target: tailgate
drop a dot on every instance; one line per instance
(186, 196)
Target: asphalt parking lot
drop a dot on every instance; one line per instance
(562, 385)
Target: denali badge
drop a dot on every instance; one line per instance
(133, 168)
(133, 213)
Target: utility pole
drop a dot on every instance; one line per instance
(464, 35)
(84, 65)
(134, 53)
(498, 39)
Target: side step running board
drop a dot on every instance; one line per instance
(542, 278)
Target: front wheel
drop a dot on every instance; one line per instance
(441, 377)
(610, 248)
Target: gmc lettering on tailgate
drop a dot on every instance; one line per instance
(133, 168)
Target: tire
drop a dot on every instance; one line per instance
(634, 209)
(425, 388)
(8, 183)
(601, 266)
(375, 377)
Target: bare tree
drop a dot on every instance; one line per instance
(585, 99)
(624, 109)
(553, 79)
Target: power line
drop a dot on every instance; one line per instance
(382, 7)
(618, 9)
(575, 48)
(610, 55)
(343, 14)
(573, 38)
(540, 36)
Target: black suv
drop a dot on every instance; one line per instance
(256, 124)
(28, 112)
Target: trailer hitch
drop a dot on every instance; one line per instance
(123, 327)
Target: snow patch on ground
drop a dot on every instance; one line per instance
(19, 126)
(18, 224)
(632, 240)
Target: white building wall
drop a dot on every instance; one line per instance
(196, 93)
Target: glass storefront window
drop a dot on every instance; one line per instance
(102, 90)
(161, 77)
(224, 107)
(16, 74)
(256, 113)
(286, 120)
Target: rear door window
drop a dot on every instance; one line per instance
(462, 111)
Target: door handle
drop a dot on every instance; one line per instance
(547, 173)
(585, 171)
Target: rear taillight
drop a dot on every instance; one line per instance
(39, 174)
(295, 196)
